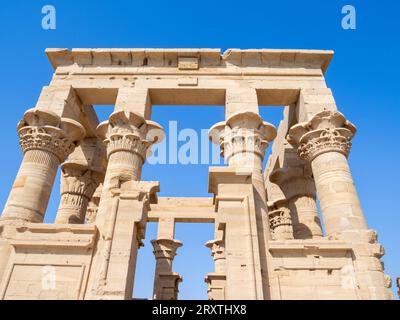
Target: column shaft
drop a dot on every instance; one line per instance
(124, 164)
(127, 136)
(31, 190)
(324, 141)
(337, 194)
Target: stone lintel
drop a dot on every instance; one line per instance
(172, 58)
(183, 209)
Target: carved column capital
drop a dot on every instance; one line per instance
(78, 183)
(218, 253)
(130, 132)
(280, 221)
(82, 172)
(43, 130)
(217, 248)
(327, 131)
(165, 248)
(79, 180)
(243, 135)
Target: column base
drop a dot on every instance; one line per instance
(168, 286)
(216, 285)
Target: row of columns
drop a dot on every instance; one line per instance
(47, 140)
(324, 142)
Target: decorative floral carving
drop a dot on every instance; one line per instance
(46, 138)
(217, 248)
(317, 142)
(44, 130)
(280, 224)
(127, 142)
(77, 188)
(237, 141)
(244, 134)
(78, 183)
(165, 248)
(127, 131)
(327, 131)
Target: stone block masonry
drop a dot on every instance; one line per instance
(268, 231)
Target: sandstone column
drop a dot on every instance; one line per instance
(46, 140)
(165, 281)
(81, 175)
(299, 189)
(243, 139)
(217, 280)
(324, 141)
(124, 202)
(128, 137)
(218, 253)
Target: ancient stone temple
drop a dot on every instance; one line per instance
(294, 229)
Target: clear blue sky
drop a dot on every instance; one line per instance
(364, 76)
